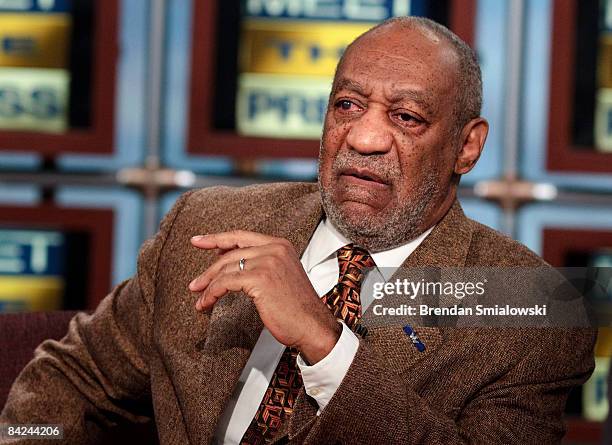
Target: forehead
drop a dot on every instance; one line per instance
(398, 58)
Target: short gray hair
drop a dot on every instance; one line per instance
(469, 77)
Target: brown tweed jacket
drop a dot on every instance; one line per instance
(146, 352)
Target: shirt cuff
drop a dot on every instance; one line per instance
(322, 379)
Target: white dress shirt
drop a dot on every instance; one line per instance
(322, 379)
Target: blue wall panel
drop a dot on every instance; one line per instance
(19, 161)
(483, 211)
(533, 219)
(490, 45)
(19, 194)
(130, 103)
(178, 67)
(127, 235)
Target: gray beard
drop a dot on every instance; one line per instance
(391, 227)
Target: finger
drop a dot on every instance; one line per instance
(234, 239)
(229, 282)
(230, 262)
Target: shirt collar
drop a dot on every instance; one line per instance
(388, 261)
(326, 240)
(324, 243)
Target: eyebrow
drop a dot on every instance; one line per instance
(395, 96)
(348, 84)
(413, 95)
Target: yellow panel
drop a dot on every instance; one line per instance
(282, 106)
(604, 62)
(34, 40)
(292, 47)
(31, 293)
(603, 347)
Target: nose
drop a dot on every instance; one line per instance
(370, 134)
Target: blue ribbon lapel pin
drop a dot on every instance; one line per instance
(414, 338)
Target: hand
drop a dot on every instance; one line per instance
(273, 277)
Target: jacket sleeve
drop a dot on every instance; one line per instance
(97, 376)
(525, 405)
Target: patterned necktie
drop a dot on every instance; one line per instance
(343, 300)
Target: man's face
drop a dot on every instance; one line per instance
(389, 143)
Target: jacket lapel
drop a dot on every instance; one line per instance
(446, 246)
(234, 327)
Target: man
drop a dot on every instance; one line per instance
(200, 333)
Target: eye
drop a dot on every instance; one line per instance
(408, 119)
(347, 105)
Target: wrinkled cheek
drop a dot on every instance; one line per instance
(334, 133)
(416, 157)
(333, 137)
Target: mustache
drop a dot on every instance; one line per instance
(386, 169)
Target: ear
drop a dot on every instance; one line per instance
(473, 137)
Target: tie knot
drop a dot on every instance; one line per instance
(352, 260)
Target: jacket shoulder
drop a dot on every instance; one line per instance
(490, 247)
(227, 208)
(275, 194)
